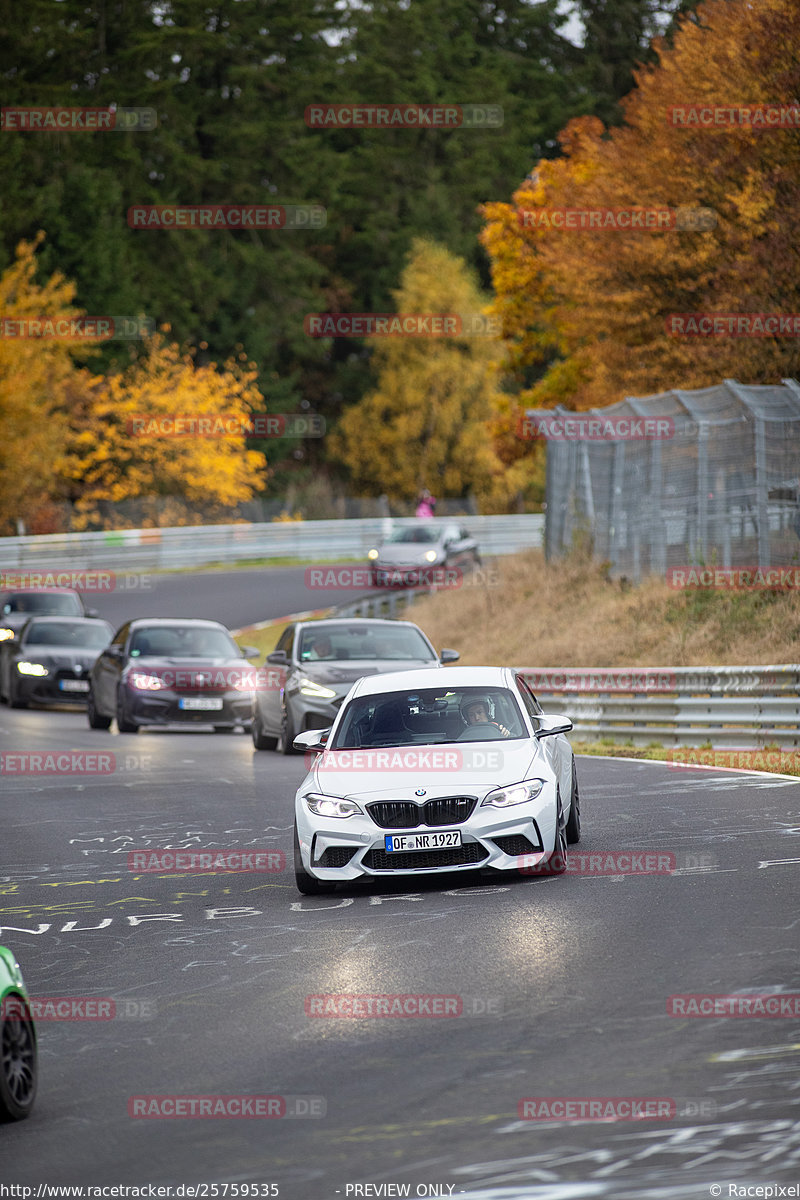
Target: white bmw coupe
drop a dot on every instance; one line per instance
(432, 771)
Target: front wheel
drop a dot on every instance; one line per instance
(14, 699)
(557, 862)
(287, 735)
(260, 739)
(307, 884)
(18, 1065)
(574, 822)
(124, 723)
(96, 721)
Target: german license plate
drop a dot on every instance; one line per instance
(207, 703)
(396, 842)
(74, 685)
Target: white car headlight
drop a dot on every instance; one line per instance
(145, 683)
(330, 806)
(516, 793)
(310, 688)
(6, 634)
(29, 668)
(372, 555)
(431, 556)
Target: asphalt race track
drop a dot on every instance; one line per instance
(235, 597)
(562, 987)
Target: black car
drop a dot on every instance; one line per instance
(168, 672)
(48, 661)
(307, 676)
(17, 607)
(423, 554)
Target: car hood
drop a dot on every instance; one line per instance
(348, 671)
(407, 552)
(454, 768)
(58, 655)
(185, 669)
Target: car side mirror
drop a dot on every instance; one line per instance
(312, 739)
(250, 651)
(553, 723)
(92, 612)
(278, 657)
(448, 656)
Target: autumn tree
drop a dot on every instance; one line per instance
(135, 433)
(34, 375)
(429, 420)
(584, 310)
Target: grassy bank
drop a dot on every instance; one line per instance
(570, 614)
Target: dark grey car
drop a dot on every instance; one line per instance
(307, 676)
(48, 661)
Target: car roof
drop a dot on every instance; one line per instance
(200, 622)
(365, 621)
(37, 591)
(50, 617)
(437, 677)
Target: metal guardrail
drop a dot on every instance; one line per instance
(196, 545)
(734, 707)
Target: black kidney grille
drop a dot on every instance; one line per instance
(401, 814)
(469, 854)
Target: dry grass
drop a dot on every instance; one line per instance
(569, 614)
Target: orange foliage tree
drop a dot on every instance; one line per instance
(116, 452)
(585, 311)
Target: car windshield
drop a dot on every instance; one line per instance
(182, 641)
(56, 603)
(428, 717)
(420, 533)
(338, 643)
(91, 636)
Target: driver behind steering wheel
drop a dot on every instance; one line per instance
(478, 710)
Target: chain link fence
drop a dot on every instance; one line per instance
(679, 478)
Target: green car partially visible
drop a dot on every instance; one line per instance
(18, 1070)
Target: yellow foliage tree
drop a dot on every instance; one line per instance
(34, 375)
(430, 421)
(115, 451)
(587, 309)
